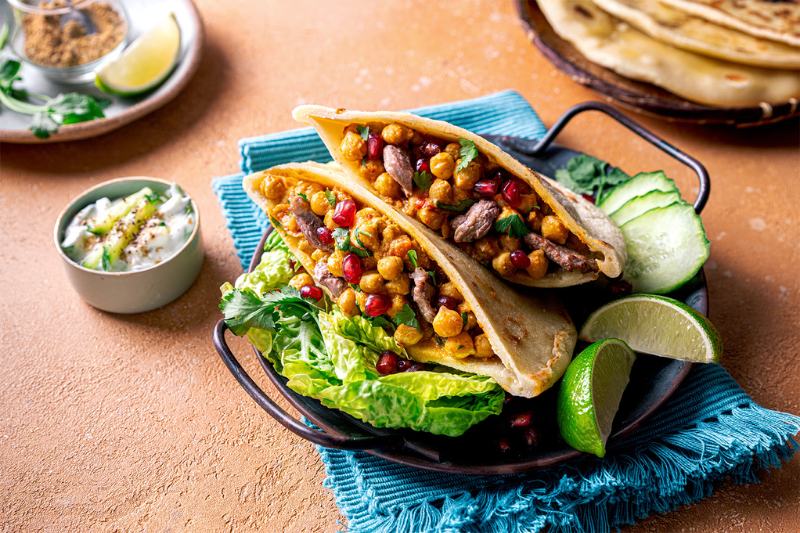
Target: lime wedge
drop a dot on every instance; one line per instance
(145, 64)
(656, 325)
(590, 394)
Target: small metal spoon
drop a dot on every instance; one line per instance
(79, 17)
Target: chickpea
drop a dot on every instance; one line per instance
(535, 219)
(407, 335)
(417, 139)
(335, 262)
(390, 267)
(447, 231)
(502, 263)
(409, 207)
(432, 217)
(281, 213)
(454, 150)
(386, 186)
(353, 147)
(441, 191)
(319, 255)
(472, 320)
(319, 204)
(351, 128)
(301, 280)
(388, 235)
(468, 177)
(328, 220)
(539, 263)
(460, 346)
(447, 323)
(365, 214)
(397, 134)
(401, 285)
(369, 263)
(460, 194)
(451, 291)
(554, 230)
(347, 302)
(400, 246)
(486, 248)
(398, 302)
(306, 246)
(371, 169)
(464, 307)
(290, 224)
(361, 300)
(372, 282)
(483, 348)
(509, 243)
(367, 233)
(527, 202)
(273, 187)
(442, 165)
(508, 211)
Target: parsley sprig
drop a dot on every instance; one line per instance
(468, 152)
(330, 197)
(342, 237)
(423, 180)
(69, 108)
(244, 310)
(462, 206)
(406, 316)
(364, 132)
(588, 175)
(513, 225)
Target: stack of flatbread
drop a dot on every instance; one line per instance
(716, 52)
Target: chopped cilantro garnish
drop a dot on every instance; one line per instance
(342, 236)
(432, 274)
(462, 206)
(355, 287)
(440, 341)
(407, 317)
(364, 132)
(274, 222)
(412, 254)
(303, 196)
(513, 225)
(468, 152)
(330, 197)
(464, 320)
(423, 180)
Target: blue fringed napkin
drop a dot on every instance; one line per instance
(710, 429)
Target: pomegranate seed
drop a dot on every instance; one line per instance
(532, 437)
(508, 399)
(522, 420)
(620, 288)
(387, 363)
(415, 367)
(519, 259)
(351, 268)
(511, 193)
(498, 176)
(403, 365)
(504, 445)
(374, 146)
(486, 188)
(377, 304)
(325, 235)
(423, 165)
(450, 303)
(590, 198)
(310, 291)
(430, 149)
(345, 213)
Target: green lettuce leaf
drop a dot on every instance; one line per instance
(273, 272)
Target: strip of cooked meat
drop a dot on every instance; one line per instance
(308, 222)
(325, 278)
(422, 294)
(476, 222)
(398, 165)
(568, 259)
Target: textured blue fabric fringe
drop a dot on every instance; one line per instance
(709, 430)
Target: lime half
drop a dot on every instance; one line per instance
(590, 394)
(145, 64)
(656, 325)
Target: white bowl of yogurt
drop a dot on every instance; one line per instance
(130, 245)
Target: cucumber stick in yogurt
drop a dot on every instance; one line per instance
(130, 233)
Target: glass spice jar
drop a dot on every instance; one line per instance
(68, 41)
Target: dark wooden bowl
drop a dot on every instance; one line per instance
(635, 95)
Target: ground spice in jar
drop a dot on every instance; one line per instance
(49, 43)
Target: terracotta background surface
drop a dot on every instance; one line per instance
(132, 423)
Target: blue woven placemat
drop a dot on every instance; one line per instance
(711, 429)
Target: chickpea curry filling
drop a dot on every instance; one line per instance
(449, 186)
(373, 268)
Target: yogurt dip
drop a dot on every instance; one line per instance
(144, 242)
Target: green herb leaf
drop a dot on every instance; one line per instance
(407, 316)
(464, 320)
(342, 236)
(432, 274)
(43, 125)
(513, 225)
(440, 341)
(423, 180)
(468, 152)
(244, 310)
(379, 321)
(355, 287)
(412, 254)
(8, 73)
(330, 197)
(275, 222)
(462, 206)
(303, 196)
(364, 132)
(587, 175)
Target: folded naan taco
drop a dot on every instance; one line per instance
(472, 194)
(376, 261)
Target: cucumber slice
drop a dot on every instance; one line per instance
(642, 204)
(104, 224)
(666, 247)
(638, 185)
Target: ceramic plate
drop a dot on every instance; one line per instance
(142, 14)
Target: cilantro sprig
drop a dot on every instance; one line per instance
(244, 310)
(364, 132)
(412, 254)
(63, 109)
(513, 225)
(342, 237)
(423, 180)
(468, 152)
(406, 316)
(462, 206)
(330, 197)
(588, 175)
